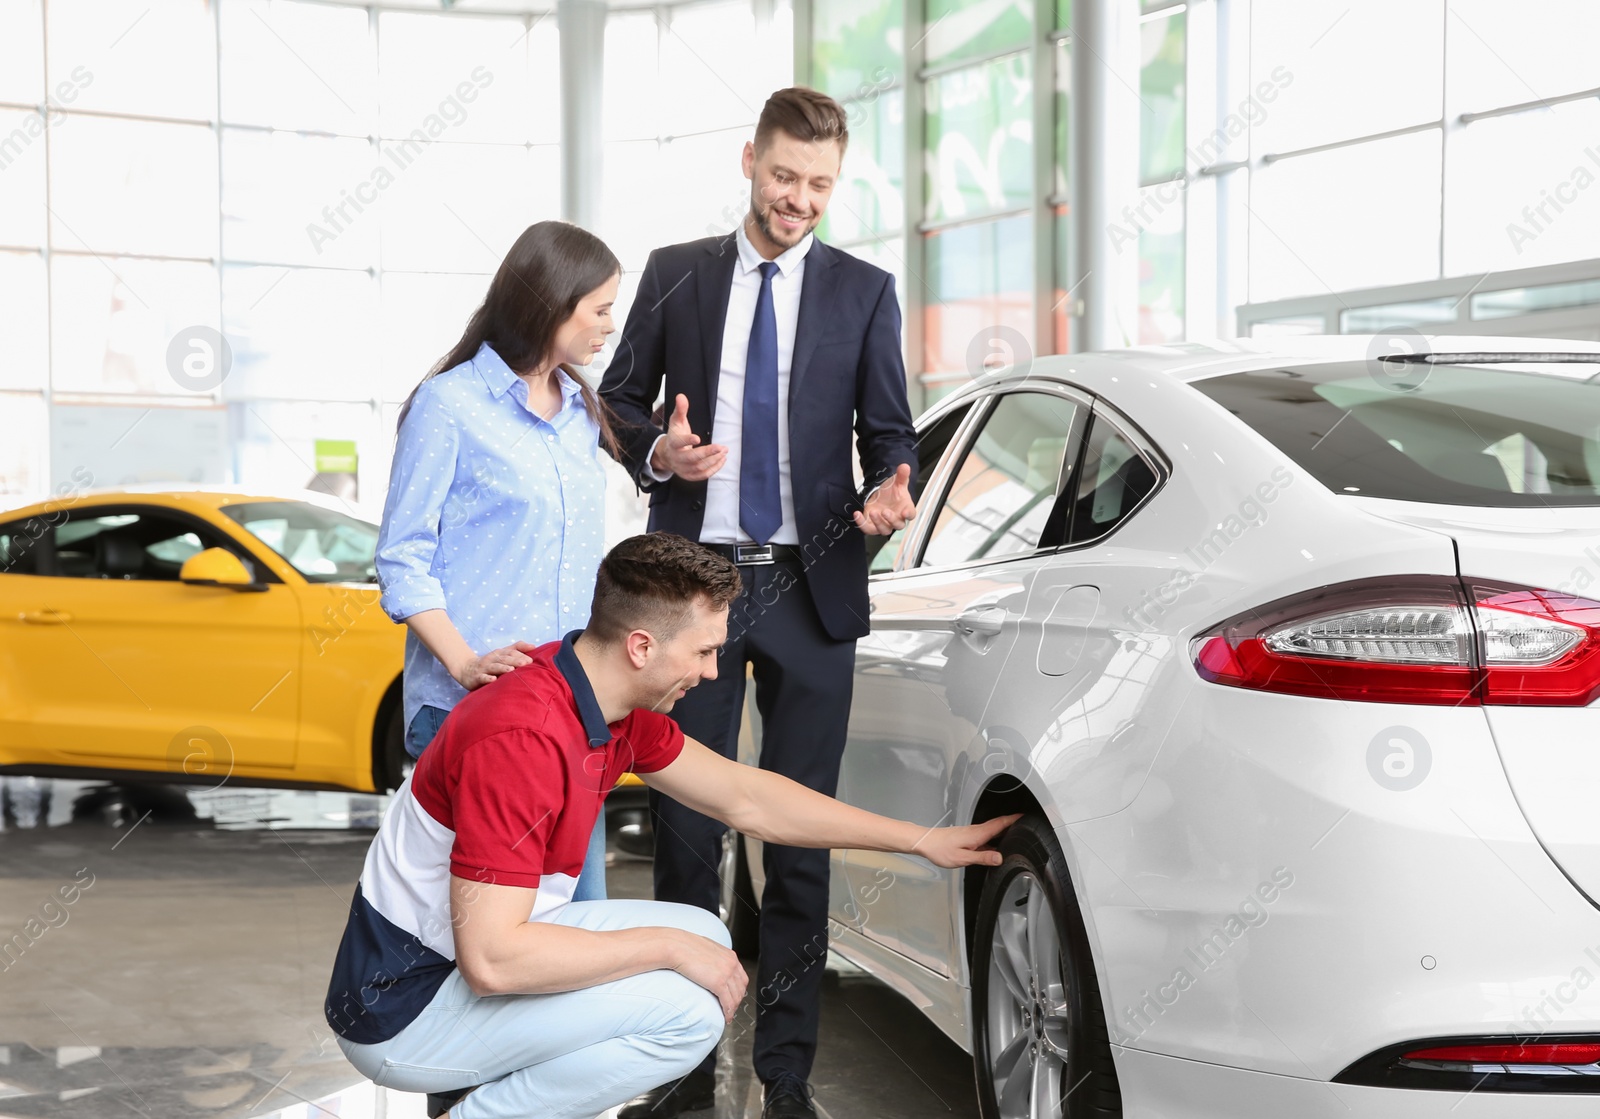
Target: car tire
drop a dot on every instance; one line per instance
(1039, 1038)
(391, 765)
(738, 906)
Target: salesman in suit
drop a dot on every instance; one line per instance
(773, 348)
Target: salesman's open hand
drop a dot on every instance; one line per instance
(680, 452)
(964, 846)
(889, 507)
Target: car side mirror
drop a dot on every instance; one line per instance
(218, 567)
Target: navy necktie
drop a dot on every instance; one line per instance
(760, 508)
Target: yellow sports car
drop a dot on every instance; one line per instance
(197, 636)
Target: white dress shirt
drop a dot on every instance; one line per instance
(721, 525)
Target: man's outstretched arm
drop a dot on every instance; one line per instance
(774, 809)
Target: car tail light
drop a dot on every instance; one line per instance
(1533, 1053)
(1413, 639)
(1539, 647)
(1568, 1064)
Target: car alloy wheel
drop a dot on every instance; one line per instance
(1028, 1012)
(1039, 1034)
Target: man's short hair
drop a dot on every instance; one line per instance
(651, 582)
(805, 114)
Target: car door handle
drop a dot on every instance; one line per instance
(984, 621)
(46, 617)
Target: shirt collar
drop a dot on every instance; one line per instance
(787, 261)
(499, 378)
(567, 663)
(497, 375)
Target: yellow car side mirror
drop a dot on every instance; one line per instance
(218, 567)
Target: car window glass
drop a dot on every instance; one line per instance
(1511, 435)
(1002, 494)
(882, 551)
(1115, 478)
(19, 546)
(324, 545)
(126, 546)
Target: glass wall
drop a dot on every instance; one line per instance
(1287, 149)
(1469, 157)
(284, 211)
(683, 88)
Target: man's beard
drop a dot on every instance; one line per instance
(764, 223)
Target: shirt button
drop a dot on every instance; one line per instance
(569, 524)
(565, 566)
(566, 609)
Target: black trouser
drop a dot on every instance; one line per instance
(803, 679)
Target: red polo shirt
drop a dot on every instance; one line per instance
(507, 793)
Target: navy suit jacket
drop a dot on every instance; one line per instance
(847, 374)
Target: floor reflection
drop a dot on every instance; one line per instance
(32, 802)
(186, 982)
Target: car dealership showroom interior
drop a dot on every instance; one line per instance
(766, 559)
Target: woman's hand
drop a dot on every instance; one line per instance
(478, 671)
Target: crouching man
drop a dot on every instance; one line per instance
(466, 965)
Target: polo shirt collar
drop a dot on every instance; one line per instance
(787, 261)
(571, 669)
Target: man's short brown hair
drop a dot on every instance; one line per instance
(805, 114)
(651, 582)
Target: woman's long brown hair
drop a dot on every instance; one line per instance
(538, 286)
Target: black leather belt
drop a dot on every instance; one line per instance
(750, 555)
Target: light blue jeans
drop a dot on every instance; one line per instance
(570, 1055)
(592, 879)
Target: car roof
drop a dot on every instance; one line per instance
(212, 496)
(1196, 361)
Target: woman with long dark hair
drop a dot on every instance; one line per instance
(493, 526)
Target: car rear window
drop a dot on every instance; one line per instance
(1451, 434)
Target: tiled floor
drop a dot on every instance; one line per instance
(185, 977)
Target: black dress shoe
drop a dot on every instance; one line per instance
(787, 1097)
(694, 1092)
(441, 1102)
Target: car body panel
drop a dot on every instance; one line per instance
(281, 683)
(1551, 754)
(1343, 913)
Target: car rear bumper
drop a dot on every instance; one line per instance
(1158, 1087)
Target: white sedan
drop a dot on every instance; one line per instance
(1291, 659)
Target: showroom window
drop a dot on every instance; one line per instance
(329, 187)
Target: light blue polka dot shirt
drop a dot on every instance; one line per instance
(494, 514)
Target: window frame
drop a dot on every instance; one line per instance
(43, 548)
(963, 443)
(1136, 437)
(261, 571)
